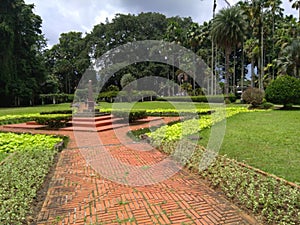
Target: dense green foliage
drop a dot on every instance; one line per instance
(284, 90)
(23, 173)
(250, 32)
(22, 68)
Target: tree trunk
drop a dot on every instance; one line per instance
(226, 84)
(252, 72)
(242, 72)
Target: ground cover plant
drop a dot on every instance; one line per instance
(22, 173)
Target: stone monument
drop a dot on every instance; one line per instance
(90, 100)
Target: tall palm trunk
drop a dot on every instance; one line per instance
(226, 84)
(252, 71)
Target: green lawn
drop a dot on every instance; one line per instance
(33, 109)
(104, 105)
(154, 105)
(268, 140)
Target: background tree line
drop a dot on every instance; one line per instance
(254, 32)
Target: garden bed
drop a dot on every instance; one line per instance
(22, 173)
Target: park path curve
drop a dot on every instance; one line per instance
(77, 194)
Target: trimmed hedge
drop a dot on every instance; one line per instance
(132, 115)
(15, 120)
(57, 121)
(200, 98)
(57, 112)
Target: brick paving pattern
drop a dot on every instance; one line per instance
(78, 194)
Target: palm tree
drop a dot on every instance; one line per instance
(174, 34)
(252, 50)
(228, 30)
(296, 5)
(289, 62)
(194, 36)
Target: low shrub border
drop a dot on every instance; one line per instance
(131, 115)
(267, 196)
(42, 119)
(53, 121)
(200, 98)
(166, 112)
(57, 112)
(192, 126)
(14, 119)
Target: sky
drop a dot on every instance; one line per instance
(62, 16)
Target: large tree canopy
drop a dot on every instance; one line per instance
(21, 64)
(252, 32)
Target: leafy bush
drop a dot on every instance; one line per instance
(253, 96)
(131, 115)
(284, 90)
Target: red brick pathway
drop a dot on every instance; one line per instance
(79, 195)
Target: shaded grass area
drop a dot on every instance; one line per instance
(268, 140)
(33, 109)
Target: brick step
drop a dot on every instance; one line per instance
(93, 123)
(32, 123)
(94, 129)
(91, 119)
